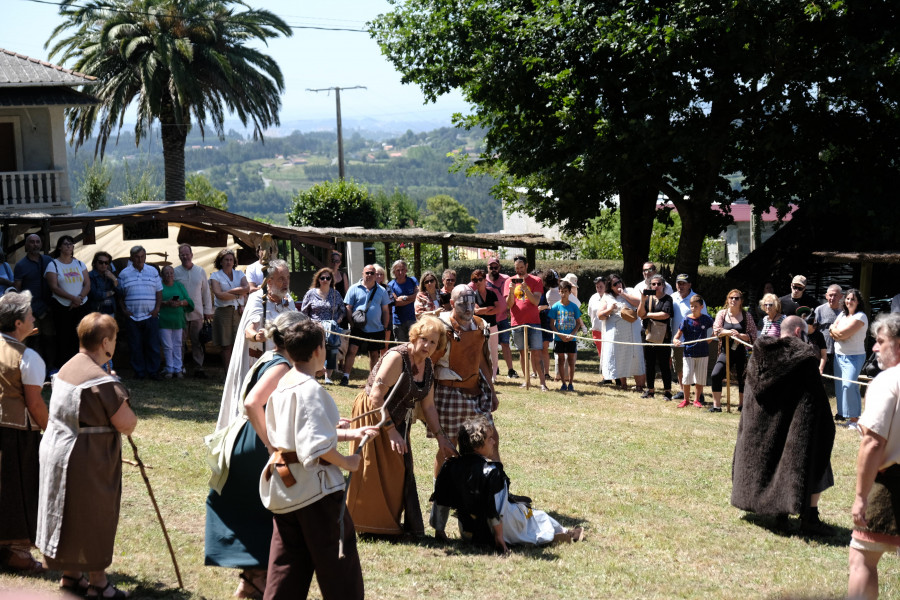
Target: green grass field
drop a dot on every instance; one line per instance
(651, 483)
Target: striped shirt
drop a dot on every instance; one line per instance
(139, 289)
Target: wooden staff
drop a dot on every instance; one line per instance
(385, 416)
(527, 359)
(140, 465)
(728, 373)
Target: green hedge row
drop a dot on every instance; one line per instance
(711, 282)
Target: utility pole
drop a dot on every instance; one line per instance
(340, 136)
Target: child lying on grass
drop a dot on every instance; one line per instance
(479, 491)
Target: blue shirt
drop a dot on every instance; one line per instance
(139, 289)
(358, 296)
(695, 329)
(403, 314)
(682, 308)
(31, 274)
(566, 317)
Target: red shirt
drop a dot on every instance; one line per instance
(524, 312)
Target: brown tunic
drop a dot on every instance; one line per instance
(384, 487)
(81, 469)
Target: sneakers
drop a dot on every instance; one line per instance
(678, 396)
(839, 417)
(715, 409)
(512, 374)
(571, 388)
(563, 388)
(328, 381)
(698, 404)
(667, 396)
(853, 425)
(647, 394)
(544, 388)
(345, 380)
(683, 403)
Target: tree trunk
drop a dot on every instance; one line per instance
(174, 136)
(637, 206)
(694, 218)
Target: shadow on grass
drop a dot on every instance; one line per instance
(181, 399)
(143, 588)
(840, 538)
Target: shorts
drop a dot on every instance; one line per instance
(694, 370)
(867, 546)
(535, 338)
(226, 320)
(503, 329)
(570, 347)
(374, 340)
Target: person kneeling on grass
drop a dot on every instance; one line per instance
(302, 483)
(696, 356)
(566, 320)
(478, 489)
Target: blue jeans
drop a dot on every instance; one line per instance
(143, 338)
(535, 338)
(849, 400)
(503, 328)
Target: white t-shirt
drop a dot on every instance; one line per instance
(226, 284)
(640, 287)
(69, 276)
(31, 366)
(883, 411)
(595, 305)
(255, 274)
(856, 344)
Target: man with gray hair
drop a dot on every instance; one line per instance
(825, 315)
(195, 281)
(463, 378)
(251, 342)
(404, 289)
(875, 511)
(139, 304)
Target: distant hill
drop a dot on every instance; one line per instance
(260, 178)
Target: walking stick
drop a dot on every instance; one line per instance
(140, 465)
(385, 415)
(527, 359)
(728, 374)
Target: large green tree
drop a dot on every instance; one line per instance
(179, 61)
(589, 104)
(444, 213)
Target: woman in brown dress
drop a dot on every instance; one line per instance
(384, 487)
(81, 463)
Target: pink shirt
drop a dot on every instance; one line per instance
(523, 311)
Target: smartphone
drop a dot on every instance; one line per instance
(517, 280)
(176, 298)
(649, 292)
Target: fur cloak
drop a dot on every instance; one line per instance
(786, 430)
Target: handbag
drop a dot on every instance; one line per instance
(205, 335)
(332, 339)
(656, 332)
(359, 315)
(629, 314)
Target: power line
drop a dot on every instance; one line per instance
(149, 14)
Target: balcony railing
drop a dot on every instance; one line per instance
(31, 190)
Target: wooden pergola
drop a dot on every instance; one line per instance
(866, 261)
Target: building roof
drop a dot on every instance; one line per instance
(742, 212)
(18, 70)
(43, 96)
(426, 236)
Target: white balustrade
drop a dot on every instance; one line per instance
(30, 190)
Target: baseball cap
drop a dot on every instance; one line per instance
(683, 277)
(799, 280)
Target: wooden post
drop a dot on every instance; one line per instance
(445, 256)
(417, 259)
(530, 258)
(387, 261)
(727, 371)
(865, 282)
(527, 358)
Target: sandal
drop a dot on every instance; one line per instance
(23, 562)
(78, 586)
(117, 593)
(247, 588)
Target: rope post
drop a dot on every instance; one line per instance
(727, 373)
(527, 358)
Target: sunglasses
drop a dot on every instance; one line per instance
(797, 287)
(615, 283)
(450, 280)
(736, 298)
(368, 272)
(768, 305)
(478, 279)
(325, 278)
(102, 262)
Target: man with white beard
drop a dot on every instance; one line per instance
(251, 340)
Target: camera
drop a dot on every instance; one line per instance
(517, 280)
(649, 292)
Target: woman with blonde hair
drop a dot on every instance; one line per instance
(428, 299)
(771, 323)
(81, 463)
(732, 323)
(384, 488)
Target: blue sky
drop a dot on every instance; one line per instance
(309, 59)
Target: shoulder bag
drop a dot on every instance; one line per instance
(359, 315)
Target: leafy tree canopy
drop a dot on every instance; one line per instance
(444, 213)
(584, 101)
(340, 203)
(199, 189)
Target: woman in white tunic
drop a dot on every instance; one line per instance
(620, 361)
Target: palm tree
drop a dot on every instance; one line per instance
(179, 61)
